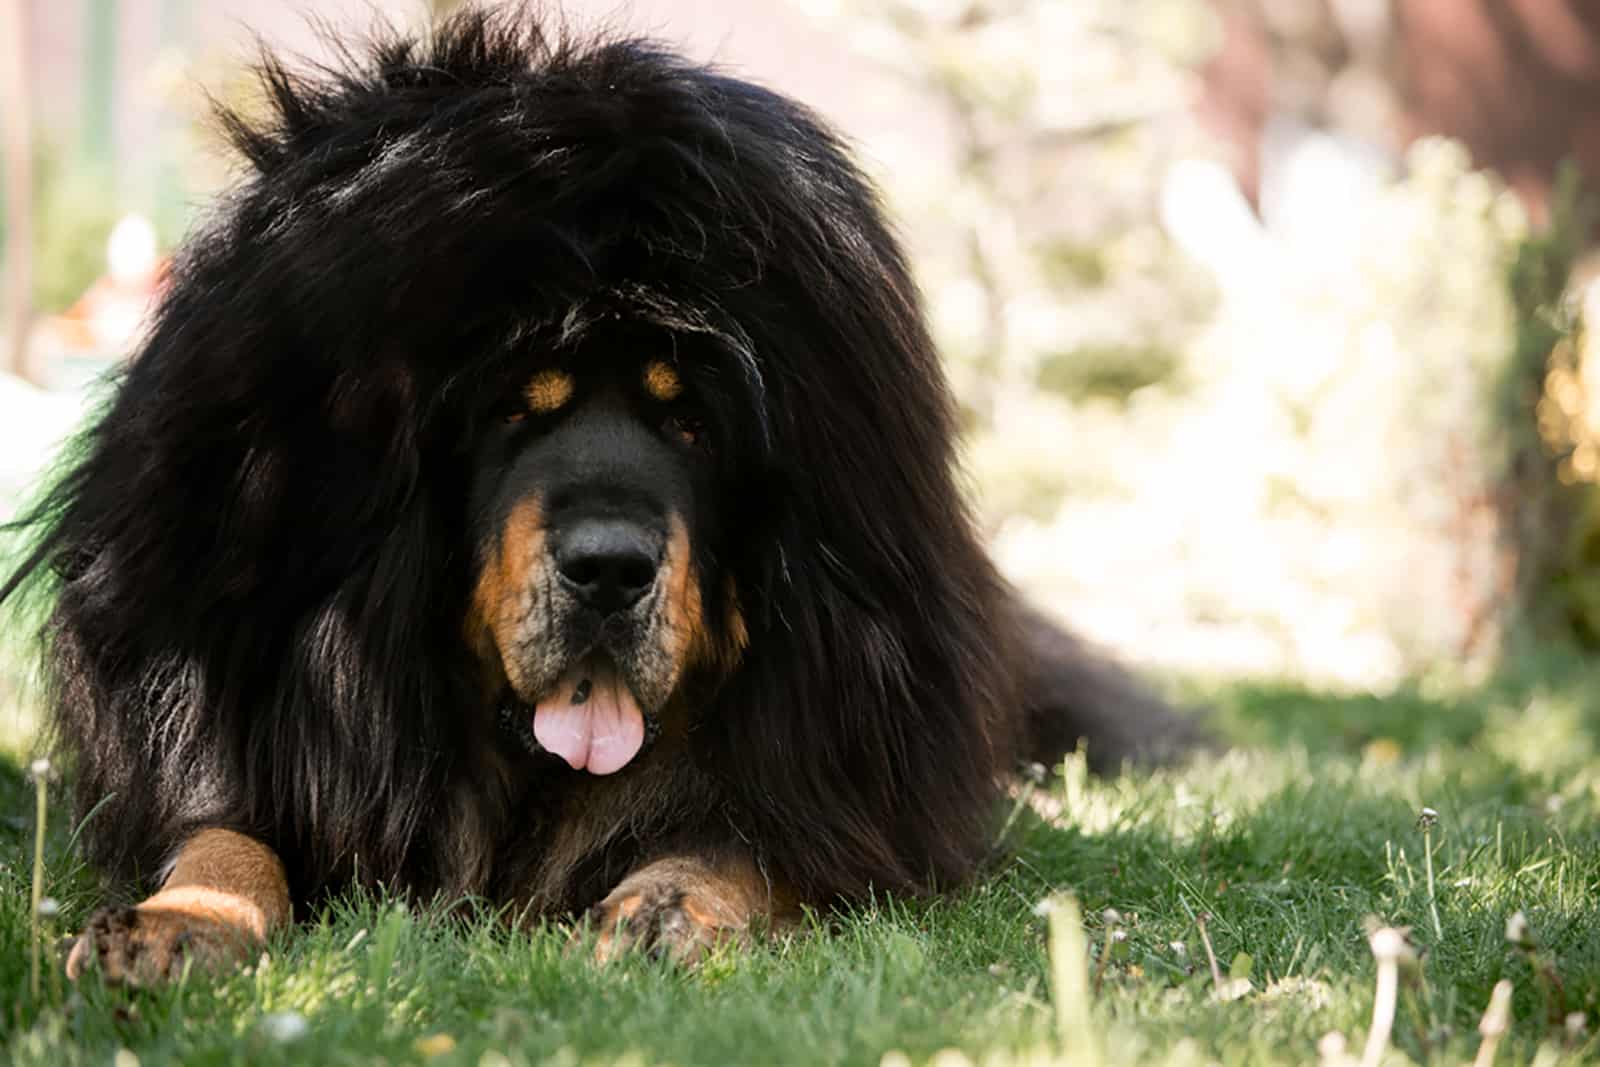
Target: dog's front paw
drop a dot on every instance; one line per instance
(662, 919)
(681, 908)
(147, 945)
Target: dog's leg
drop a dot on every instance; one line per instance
(225, 894)
(682, 905)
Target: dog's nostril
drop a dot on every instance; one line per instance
(626, 572)
(608, 565)
(610, 582)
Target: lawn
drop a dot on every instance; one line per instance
(1279, 853)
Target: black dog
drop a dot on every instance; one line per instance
(537, 484)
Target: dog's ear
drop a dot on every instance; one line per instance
(255, 546)
(860, 730)
(253, 565)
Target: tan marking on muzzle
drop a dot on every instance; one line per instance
(738, 633)
(500, 599)
(692, 642)
(682, 603)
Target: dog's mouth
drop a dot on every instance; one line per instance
(589, 718)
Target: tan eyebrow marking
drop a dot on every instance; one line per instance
(662, 381)
(548, 391)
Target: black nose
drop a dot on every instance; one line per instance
(607, 563)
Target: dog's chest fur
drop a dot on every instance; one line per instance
(563, 838)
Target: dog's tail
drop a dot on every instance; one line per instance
(1075, 695)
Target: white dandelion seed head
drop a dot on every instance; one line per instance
(1390, 944)
(285, 1026)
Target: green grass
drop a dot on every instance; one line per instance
(1287, 844)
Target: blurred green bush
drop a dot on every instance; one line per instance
(1314, 453)
(75, 207)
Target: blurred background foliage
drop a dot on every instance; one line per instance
(1261, 375)
(1284, 422)
(75, 207)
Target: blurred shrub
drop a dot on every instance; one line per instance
(1314, 454)
(1051, 282)
(1106, 370)
(75, 205)
(1036, 282)
(1551, 400)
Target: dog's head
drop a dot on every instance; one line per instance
(596, 594)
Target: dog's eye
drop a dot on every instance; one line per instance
(509, 410)
(687, 428)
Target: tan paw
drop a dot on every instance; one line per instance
(679, 922)
(147, 945)
(681, 907)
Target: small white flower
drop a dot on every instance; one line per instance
(48, 908)
(1497, 1016)
(285, 1026)
(39, 768)
(1391, 944)
(1518, 930)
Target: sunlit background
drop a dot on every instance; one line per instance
(1264, 315)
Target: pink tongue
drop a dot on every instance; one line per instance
(601, 734)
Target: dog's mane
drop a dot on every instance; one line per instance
(258, 560)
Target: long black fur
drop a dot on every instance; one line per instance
(259, 564)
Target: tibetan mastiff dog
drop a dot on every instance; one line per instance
(536, 486)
